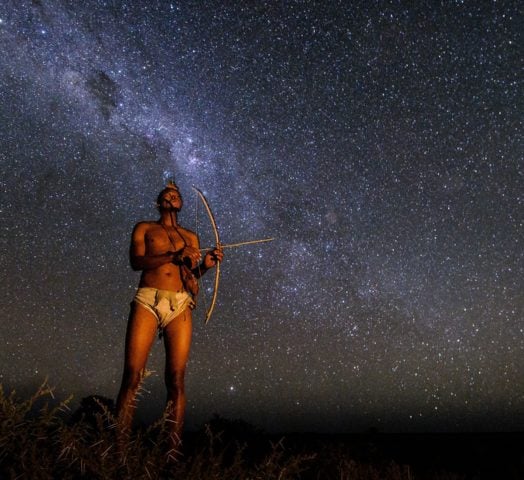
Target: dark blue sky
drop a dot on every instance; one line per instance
(379, 142)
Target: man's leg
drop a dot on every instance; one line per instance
(141, 331)
(177, 339)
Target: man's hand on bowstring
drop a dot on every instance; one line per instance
(189, 256)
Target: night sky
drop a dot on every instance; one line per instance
(380, 143)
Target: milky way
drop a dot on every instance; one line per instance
(380, 143)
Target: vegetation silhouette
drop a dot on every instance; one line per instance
(41, 439)
(91, 407)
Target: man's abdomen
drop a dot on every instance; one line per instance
(166, 277)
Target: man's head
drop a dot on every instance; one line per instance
(169, 198)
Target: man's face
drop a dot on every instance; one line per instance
(171, 200)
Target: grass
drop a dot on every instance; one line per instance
(40, 438)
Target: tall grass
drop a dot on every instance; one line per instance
(41, 439)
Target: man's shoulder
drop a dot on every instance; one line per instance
(186, 230)
(189, 235)
(145, 225)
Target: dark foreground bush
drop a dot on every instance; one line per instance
(41, 439)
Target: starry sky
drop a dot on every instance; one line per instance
(379, 142)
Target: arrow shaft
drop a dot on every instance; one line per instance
(240, 244)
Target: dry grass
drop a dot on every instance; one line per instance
(42, 442)
(41, 439)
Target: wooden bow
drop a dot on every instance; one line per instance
(217, 245)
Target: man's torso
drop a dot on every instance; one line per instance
(160, 239)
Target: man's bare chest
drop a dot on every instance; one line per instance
(161, 238)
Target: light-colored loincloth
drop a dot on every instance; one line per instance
(164, 304)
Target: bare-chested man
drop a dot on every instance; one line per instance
(169, 258)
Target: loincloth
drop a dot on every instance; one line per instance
(165, 305)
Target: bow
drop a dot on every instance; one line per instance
(217, 245)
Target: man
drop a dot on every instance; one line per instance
(168, 256)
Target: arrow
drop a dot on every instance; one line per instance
(239, 244)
